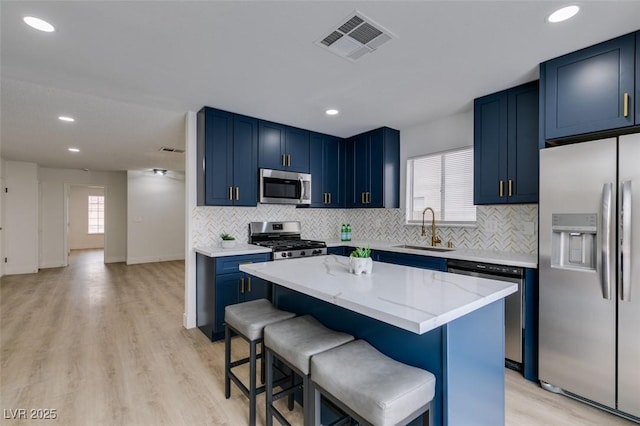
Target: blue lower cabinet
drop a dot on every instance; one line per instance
(340, 251)
(219, 283)
(415, 260)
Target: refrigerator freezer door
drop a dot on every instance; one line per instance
(577, 338)
(629, 306)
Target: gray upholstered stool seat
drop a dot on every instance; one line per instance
(295, 342)
(248, 320)
(378, 389)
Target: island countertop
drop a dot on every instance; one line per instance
(414, 299)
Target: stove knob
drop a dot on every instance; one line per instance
(284, 254)
(289, 254)
(317, 252)
(302, 253)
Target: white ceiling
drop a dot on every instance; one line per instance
(128, 71)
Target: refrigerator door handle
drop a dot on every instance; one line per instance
(625, 244)
(607, 194)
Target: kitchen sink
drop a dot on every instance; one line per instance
(425, 248)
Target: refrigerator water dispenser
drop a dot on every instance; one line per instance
(573, 241)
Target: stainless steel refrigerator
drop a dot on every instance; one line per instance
(589, 272)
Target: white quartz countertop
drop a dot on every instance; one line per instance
(238, 249)
(524, 260)
(417, 300)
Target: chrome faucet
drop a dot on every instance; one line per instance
(434, 239)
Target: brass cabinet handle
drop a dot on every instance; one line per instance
(230, 193)
(329, 197)
(284, 159)
(362, 197)
(510, 187)
(237, 193)
(248, 284)
(625, 106)
(502, 188)
(241, 285)
(288, 160)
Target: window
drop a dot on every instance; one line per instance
(96, 214)
(444, 182)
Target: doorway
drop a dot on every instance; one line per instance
(86, 206)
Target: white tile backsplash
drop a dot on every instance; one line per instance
(511, 228)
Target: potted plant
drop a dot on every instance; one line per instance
(228, 241)
(360, 261)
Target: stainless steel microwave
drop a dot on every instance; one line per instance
(280, 187)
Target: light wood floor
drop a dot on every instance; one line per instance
(104, 345)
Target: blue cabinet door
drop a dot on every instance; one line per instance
(414, 260)
(522, 151)
(316, 168)
(256, 288)
(215, 145)
(490, 117)
(327, 168)
(359, 165)
(585, 90)
(271, 145)
(296, 150)
(375, 192)
(245, 161)
(333, 158)
(226, 294)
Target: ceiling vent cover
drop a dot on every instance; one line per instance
(354, 37)
(176, 150)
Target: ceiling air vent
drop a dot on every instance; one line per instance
(176, 150)
(354, 37)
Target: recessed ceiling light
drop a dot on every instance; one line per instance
(65, 118)
(332, 112)
(563, 14)
(74, 150)
(38, 24)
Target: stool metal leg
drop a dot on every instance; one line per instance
(252, 383)
(227, 362)
(269, 386)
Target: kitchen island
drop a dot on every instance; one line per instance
(451, 325)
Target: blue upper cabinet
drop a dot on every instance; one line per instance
(590, 90)
(373, 169)
(283, 147)
(271, 143)
(327, 163)
(490, 130)
(506, 146)
(245, 160)
(228, 145)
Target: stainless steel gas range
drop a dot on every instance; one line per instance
(284, 240)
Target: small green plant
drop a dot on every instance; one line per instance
(361, 252)
(227, 237)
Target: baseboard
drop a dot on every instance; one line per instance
(114, 259)
(186, 323)
(152, 259)
(46, 265)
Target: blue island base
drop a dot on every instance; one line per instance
(466, 355)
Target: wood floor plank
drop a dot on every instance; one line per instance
(104, 345)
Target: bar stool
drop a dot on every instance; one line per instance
(248, 320)
(294, 342)
(370, 387)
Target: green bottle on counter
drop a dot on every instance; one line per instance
(348, 232)
(343, 232)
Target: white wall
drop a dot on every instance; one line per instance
(79, 237)
(20, 230)
(53, 220)
(156, 217)
(455, 131)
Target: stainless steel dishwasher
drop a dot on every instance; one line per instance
(513, 306)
